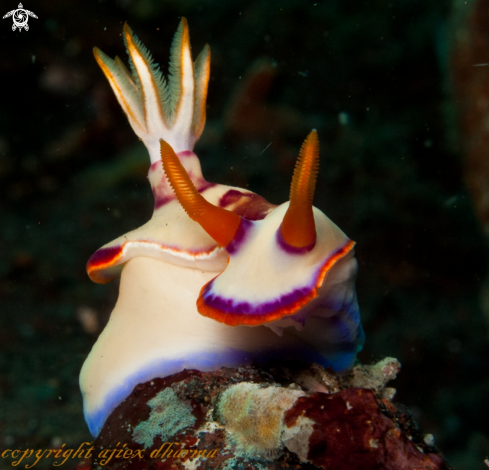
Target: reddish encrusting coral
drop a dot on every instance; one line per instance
(351, 432)
(353, 428)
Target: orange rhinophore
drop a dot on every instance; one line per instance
(219, 223)
(298, 228)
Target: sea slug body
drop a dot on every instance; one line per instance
(218, 277)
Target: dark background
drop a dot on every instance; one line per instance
(372, 76)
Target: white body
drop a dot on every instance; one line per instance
(155, 331)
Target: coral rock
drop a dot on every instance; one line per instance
(250, 418)
(350, 431)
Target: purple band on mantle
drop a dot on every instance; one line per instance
(292, 250)
(231, 306)
(245, 308)
(241, 234)
(104, 255)
(247, 205)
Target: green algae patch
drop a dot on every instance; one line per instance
(168, 417)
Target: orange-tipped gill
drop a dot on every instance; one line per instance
(219, 223)
(298, 228)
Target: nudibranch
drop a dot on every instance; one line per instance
(218, 277)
